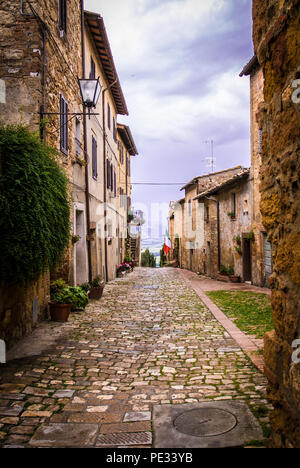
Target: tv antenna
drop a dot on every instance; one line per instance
(210, 160)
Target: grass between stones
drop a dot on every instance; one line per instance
(250, 311)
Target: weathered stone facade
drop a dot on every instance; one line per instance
(37, 63)
(41, 57)
(191, 227)
(276, 34)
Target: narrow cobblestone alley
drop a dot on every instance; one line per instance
(148, 341)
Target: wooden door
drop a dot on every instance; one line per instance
(247, 269)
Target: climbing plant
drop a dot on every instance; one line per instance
(34, 206)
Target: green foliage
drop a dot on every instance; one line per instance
(63, 294)
(128, 258)
(163, 257)
(34, 205)
(148, 259)
(57, 285)
(251, 311)
(80, 298)
(85, 286)
(176, 249)
(227, 271)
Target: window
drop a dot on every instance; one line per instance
(115, 184)
(207, 214)
(190, 208)
(233, 205)
(78, 145)
(93, 69)
(62, 16)
(108, 115)
(128, 165)
(63, 109)
(94, 158)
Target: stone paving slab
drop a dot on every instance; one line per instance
(65, 435)
(133, 349)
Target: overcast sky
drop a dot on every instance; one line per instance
(179, 62)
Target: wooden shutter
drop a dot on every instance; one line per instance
(108, 115)
(63, 15)
(111, 177)
(94, 158)
(108, 174)
(115, 184)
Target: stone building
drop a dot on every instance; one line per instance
(227, 236)
(276, 35)
(126, 149)
(102, 148)
(44, 47)
(40, 59)
(192, 218)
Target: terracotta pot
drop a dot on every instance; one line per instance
(59, 312)
(234, 278)
(96, 293)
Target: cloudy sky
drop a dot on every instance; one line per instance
(178, 62)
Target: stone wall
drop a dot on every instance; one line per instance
(276, 33)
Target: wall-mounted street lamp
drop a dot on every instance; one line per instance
(90, 90)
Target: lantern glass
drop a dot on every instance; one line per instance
(90, 91)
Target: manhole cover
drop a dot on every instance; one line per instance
(205, 422)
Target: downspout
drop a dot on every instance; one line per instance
(87, 194)
(219, 236)
(105, 176)
(44, 109)
(104, 184)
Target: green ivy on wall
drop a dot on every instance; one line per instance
(34, 206)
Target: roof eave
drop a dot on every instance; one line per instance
(109, 65)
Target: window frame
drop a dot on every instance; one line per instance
(62, 16)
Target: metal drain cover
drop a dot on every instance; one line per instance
(205, 422)
(209, 424)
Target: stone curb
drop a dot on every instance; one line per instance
(241, 338)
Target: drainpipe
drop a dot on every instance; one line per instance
(219, 236)
(87, 194)
(105, 174)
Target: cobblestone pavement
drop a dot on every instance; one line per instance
(148, 341)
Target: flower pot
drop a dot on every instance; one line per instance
(59, 312)
(96, 292)
(234, 278)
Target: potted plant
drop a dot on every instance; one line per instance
(97, 286)
(61, 301)
(80, 298)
